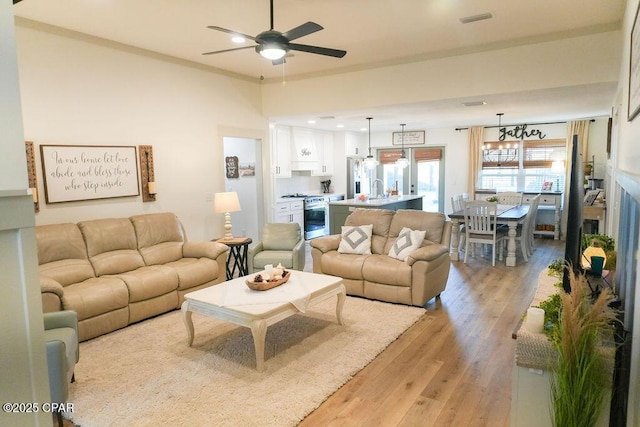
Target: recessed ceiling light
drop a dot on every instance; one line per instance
(311, 122)
(340, 126)
(474, 103)
(238, 39)
(363, 129)
(474, 18)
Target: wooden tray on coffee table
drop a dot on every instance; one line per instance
(263, 286)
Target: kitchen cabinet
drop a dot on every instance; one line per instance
(324, 148)
(339, 210)
(355, 145)
(281, 152)
(290, 211)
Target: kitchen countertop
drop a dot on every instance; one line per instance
(288, 199)
(376, 202)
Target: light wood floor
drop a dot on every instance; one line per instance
(453, 367)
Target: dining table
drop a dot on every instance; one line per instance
(509, 215)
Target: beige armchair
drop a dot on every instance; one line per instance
(281, 243)
(61, 339)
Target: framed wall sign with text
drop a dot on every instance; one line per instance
(410, 137)
(86, 172)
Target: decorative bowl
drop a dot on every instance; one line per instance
(263, 286)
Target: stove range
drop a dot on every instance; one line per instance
(294, 195)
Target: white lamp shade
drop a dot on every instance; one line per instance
(369, 162)
(226, 202)
(402, 162)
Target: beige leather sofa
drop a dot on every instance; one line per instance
(421, 277)
(117, 271)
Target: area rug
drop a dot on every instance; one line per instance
(146, 375)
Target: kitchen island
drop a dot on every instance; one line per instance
(340, 210)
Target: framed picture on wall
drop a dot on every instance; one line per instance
(231, 166)
(634, 69)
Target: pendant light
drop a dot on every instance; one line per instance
(369, 161)
(402, 162)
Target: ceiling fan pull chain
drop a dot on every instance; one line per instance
(284, 83)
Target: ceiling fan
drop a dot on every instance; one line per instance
(274, 45)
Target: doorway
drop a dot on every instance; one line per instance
(424, 176)
(248, 185)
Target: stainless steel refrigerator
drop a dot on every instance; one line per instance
(357, 179)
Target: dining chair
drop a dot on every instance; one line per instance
(457, 204)
(509, 198)
(524, 236)
(533, 209)
(480, 218)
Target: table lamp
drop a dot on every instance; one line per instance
(595, 250)
(226, 203)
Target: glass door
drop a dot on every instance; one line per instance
(424, 176)
(427, 172)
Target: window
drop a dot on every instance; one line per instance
(525, 168)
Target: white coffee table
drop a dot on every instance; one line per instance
(258, 316)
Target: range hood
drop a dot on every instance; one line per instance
(304, 154)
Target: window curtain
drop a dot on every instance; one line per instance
(580, 128)
(476, 139)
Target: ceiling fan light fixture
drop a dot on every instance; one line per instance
(272, 52)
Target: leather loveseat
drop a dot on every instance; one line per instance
(417, 279)
(117, 271)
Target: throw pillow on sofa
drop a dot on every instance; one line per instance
(356, 239)
(408, 241)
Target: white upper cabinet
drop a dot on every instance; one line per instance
(281, 152)
(304, 153)
(324, 145)
(355, 145)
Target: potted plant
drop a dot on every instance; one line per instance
(582, 375)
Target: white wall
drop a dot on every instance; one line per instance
(23, 364)
(246, 223)
(626, 158)
(78, 90)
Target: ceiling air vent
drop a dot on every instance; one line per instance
(474, 103)
(475, 18)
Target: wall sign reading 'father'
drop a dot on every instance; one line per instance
(84, 172)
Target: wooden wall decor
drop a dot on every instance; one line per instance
(33, 178)
(146, 172)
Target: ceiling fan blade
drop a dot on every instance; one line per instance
(318, 50)
(229, 50)
(302, 30)
(236, 33)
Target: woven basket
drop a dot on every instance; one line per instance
(263, 286)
